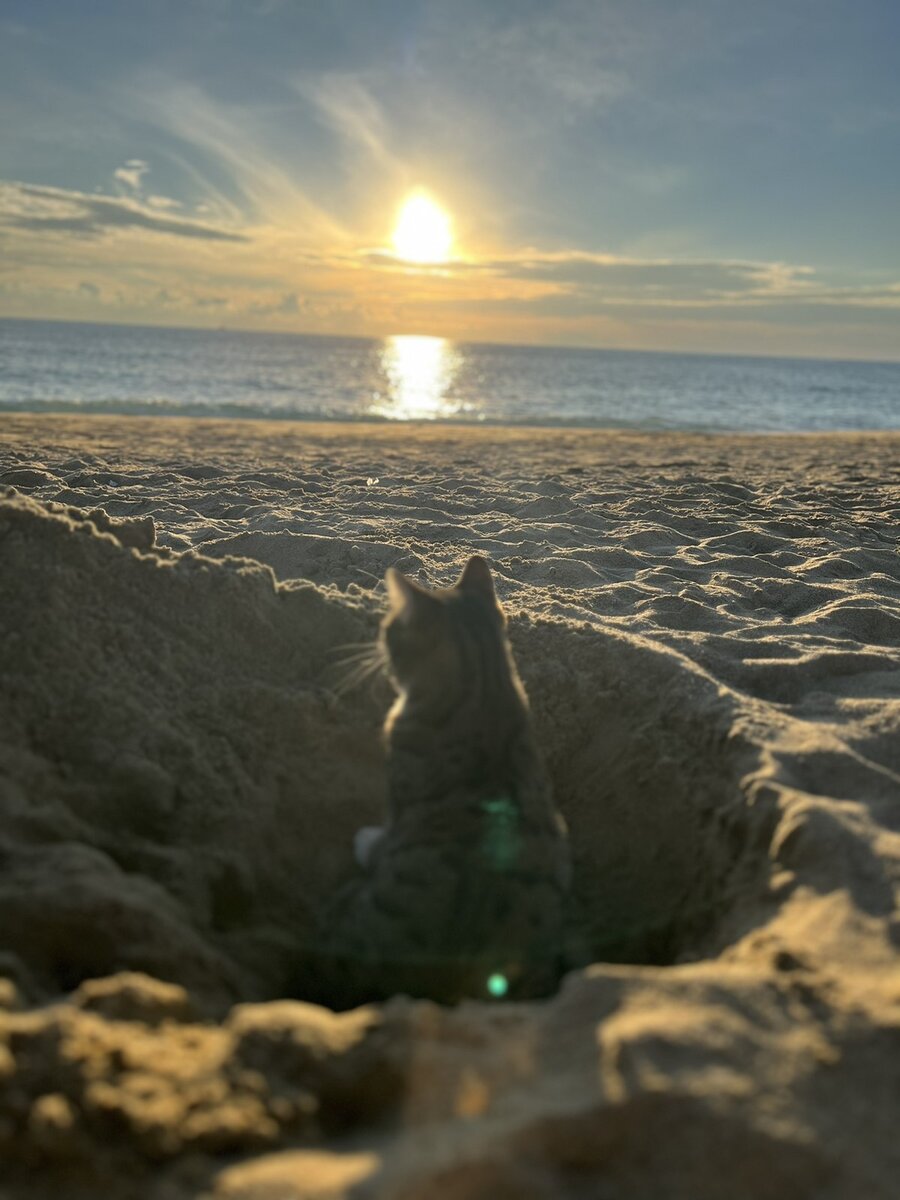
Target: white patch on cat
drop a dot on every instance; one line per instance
(364, 842)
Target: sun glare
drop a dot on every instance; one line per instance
(420, 371)
(423, 233)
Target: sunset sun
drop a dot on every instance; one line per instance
(423, 233)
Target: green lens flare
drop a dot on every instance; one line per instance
(498, 985)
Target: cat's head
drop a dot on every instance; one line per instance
(444, 639)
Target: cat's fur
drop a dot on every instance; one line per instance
(468, 881)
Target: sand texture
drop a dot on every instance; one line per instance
(709, 631)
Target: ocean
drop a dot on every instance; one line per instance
(58, 367)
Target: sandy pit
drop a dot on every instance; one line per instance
(709, 631)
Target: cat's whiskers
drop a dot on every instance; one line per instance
(360, 662)
(357, 656)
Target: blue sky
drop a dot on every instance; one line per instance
(706, 175)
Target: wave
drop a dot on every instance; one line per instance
(258, 412)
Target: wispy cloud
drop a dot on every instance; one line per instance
(582, 283)
(699, 280)
(582, 63)
(164, 202)
(234, 141)
(132, 173)
(25, 206)
(350, 110)
(612, 273)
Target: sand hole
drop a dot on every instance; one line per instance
(646, 762)
(181, 799)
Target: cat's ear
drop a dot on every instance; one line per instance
(476, 577)
(407, 598)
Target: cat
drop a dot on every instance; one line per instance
(464, 891)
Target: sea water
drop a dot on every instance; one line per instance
(54, 366)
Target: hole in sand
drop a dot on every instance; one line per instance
(180, 799)
(647, 765)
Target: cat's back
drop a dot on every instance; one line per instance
(454, 897)
(470, 880)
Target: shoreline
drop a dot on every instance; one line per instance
(19, 423)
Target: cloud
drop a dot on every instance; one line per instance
(166, 202)
(132, 173)
(38, 209)
(552, 65)
(578, 283)
(351, 111)
(581, 62)
(286, 306)
(710, 280)
(574, 270)
(231, 143)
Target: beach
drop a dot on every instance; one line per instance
(708, 628)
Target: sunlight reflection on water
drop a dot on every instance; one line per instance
(62, 367)
(419, 373)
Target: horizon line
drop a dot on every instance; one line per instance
(369, 337)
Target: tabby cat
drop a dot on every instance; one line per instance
(464, 891)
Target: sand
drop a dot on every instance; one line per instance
(709, 630)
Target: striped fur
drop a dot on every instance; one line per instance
(464, 894)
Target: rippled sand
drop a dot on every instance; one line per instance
(709, 630)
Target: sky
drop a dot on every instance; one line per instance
(701, 175)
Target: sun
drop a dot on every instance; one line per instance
(424, 232)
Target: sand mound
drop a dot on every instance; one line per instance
(179, 785)
(315, 557)
(169, 754)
